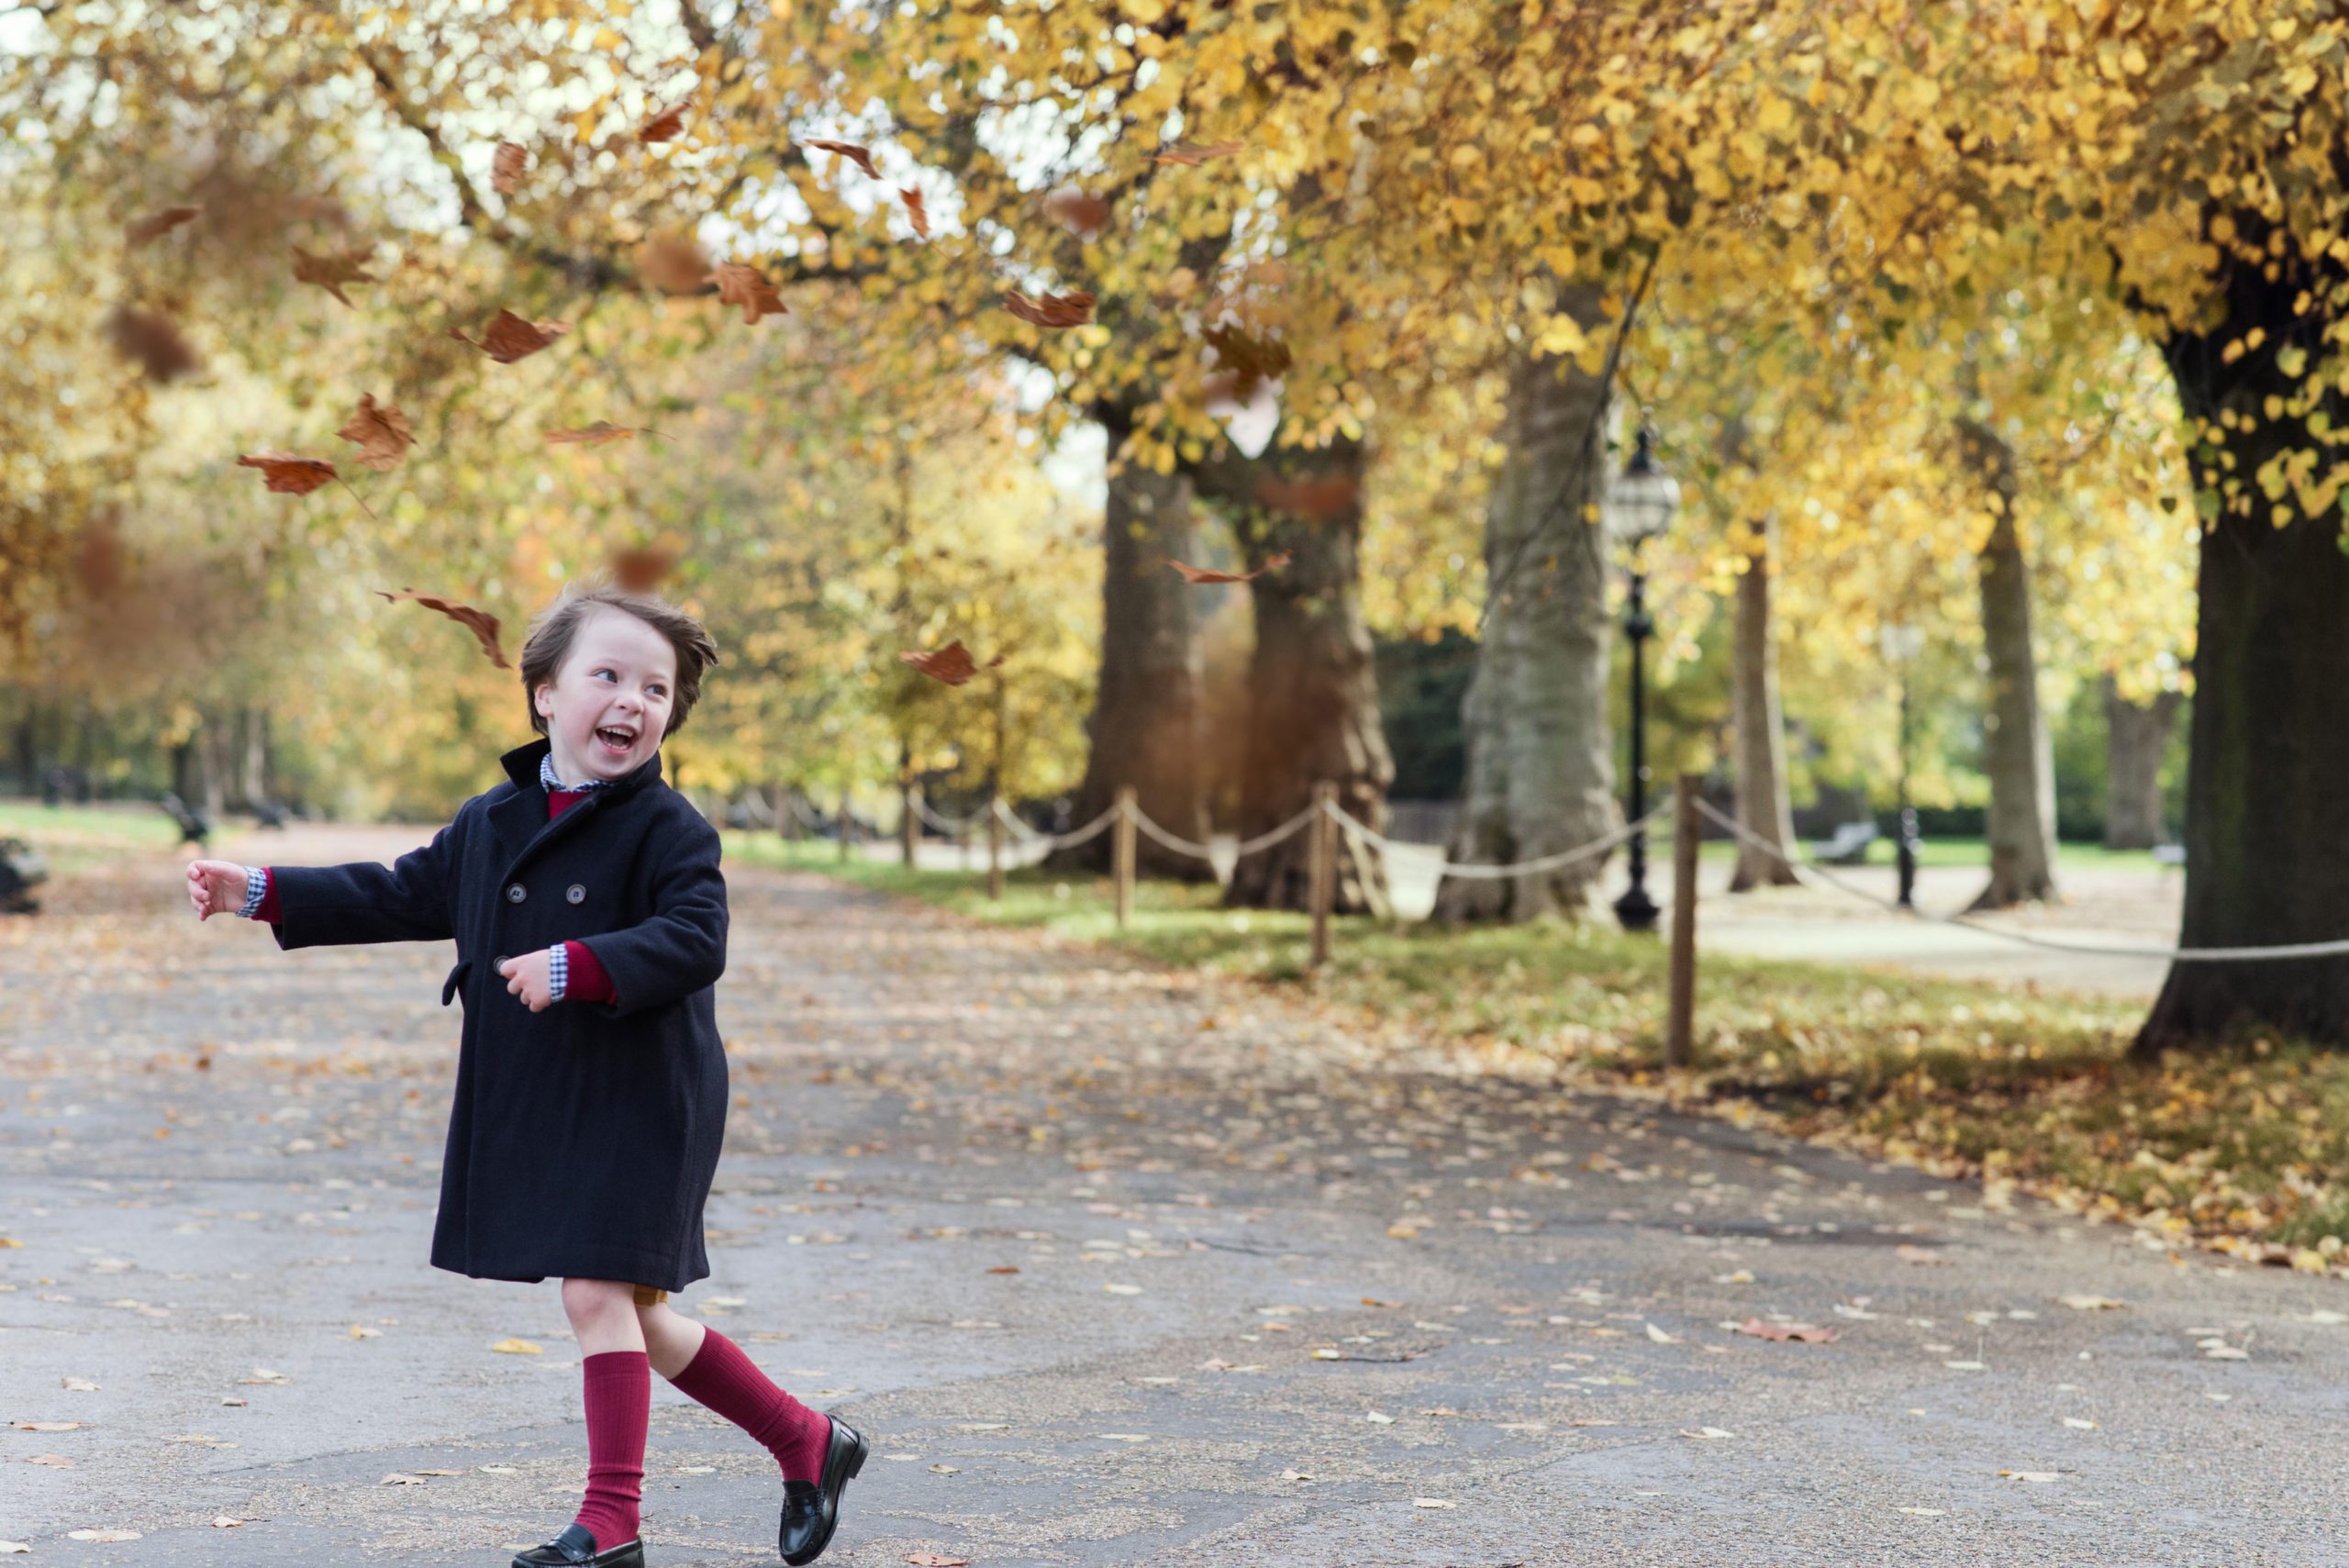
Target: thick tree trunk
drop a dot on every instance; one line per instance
(2266, 860)
(2018, 752)
(1144, 731)
(1763, 807)
(1541, 772)
(1312, 688)
(2136, 736)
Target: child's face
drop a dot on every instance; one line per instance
(608, 707)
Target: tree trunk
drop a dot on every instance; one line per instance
(252, 771)
(1541, 770)
(2267, 862)
(1763, 807)
(1312, 688)
(1144, 731)
(2017, 752)
(2136, 736)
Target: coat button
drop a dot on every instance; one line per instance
(497, 963)
(576, 894)
(513, 894)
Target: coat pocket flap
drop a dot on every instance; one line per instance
(456, 978)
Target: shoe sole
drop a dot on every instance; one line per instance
(851, 1463)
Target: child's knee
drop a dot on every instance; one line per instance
(594, 1297)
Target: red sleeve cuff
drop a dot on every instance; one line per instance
(587, 981)
(268, 909)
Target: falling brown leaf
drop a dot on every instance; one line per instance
(510, 337)
(1085, 214)
(1051, 310)
(917, 208)
(674, 263)
(1191, 154)
(99, 560)
(1251, 358)
(507, 169)
(484, 626)
(638, 569)
(951, 664)
(1205, 575)
(853, 153)
(155, 224)
(664, 127)
(288, 474)
(1328, 496)
(748, 287)
(330, 273)
(1802, 1333)
(382, 432)
(152, 341)
(595, 435)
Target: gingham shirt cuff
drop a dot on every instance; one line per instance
(256, 889)
(558, 970)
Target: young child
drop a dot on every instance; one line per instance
(589, 915)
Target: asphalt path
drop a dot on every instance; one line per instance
(1114, 1266)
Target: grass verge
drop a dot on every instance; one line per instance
(2022, 1092)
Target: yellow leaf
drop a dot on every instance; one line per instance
(518, 1347)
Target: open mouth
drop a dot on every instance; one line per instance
(616, 740)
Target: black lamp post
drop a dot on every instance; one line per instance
(1640, 505)
(1901, 644)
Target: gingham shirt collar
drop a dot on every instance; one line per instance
(546, 777)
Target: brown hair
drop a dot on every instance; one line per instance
(552, 630)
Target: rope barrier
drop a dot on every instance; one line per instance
(1069, 839)
(947, 824)
(2095, 950)
(1477, 869)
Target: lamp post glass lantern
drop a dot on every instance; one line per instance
(1901, 644)
(1639, 507)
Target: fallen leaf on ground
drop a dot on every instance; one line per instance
(513, 1347)
(399, 1478)
(1433, 1503)
(288, 474)
(138, 231)
(56, 1461)
(509, 337)
(2090, 1303)
(2040, 1476)
(103, 1534)
(1909, 1253)
(1707, 1432)
(330, 273)
(938, 1559)
(382, 432)
(484, 626)
(2078, 1425)
(1380, 1418)
(1802, 1333)
(78, 1386)
(1926, 1513)
(47, 1426)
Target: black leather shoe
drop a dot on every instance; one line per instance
(810, 1508)
(575, 1547)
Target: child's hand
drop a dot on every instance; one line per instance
(526, 977)
(216, 887)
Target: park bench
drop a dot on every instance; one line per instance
(195, 827)
(2169, 854)
(270, 814)
(22, 871)
(1848, 847)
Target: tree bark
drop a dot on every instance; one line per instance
(2136, 736)
(2267, 862)
(1144, 731)
(2018, 752)
(1312, 687)
(1763, 805)
(1541, 769)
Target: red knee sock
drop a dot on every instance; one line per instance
(726, 1380)
(619, 1402)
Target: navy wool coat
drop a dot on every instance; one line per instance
(583, 1137)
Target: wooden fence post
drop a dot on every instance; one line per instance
(1321, 867)
(1680, 1022)
(1122, 854)
(995, 848)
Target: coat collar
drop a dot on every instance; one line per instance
(521, 765)
(520, 820)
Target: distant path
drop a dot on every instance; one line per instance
(1198, 1184)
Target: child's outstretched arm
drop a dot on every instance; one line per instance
(682, 948)
(313, 905)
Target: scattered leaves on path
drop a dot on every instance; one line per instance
(1797, 1333)
(518, 1347)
